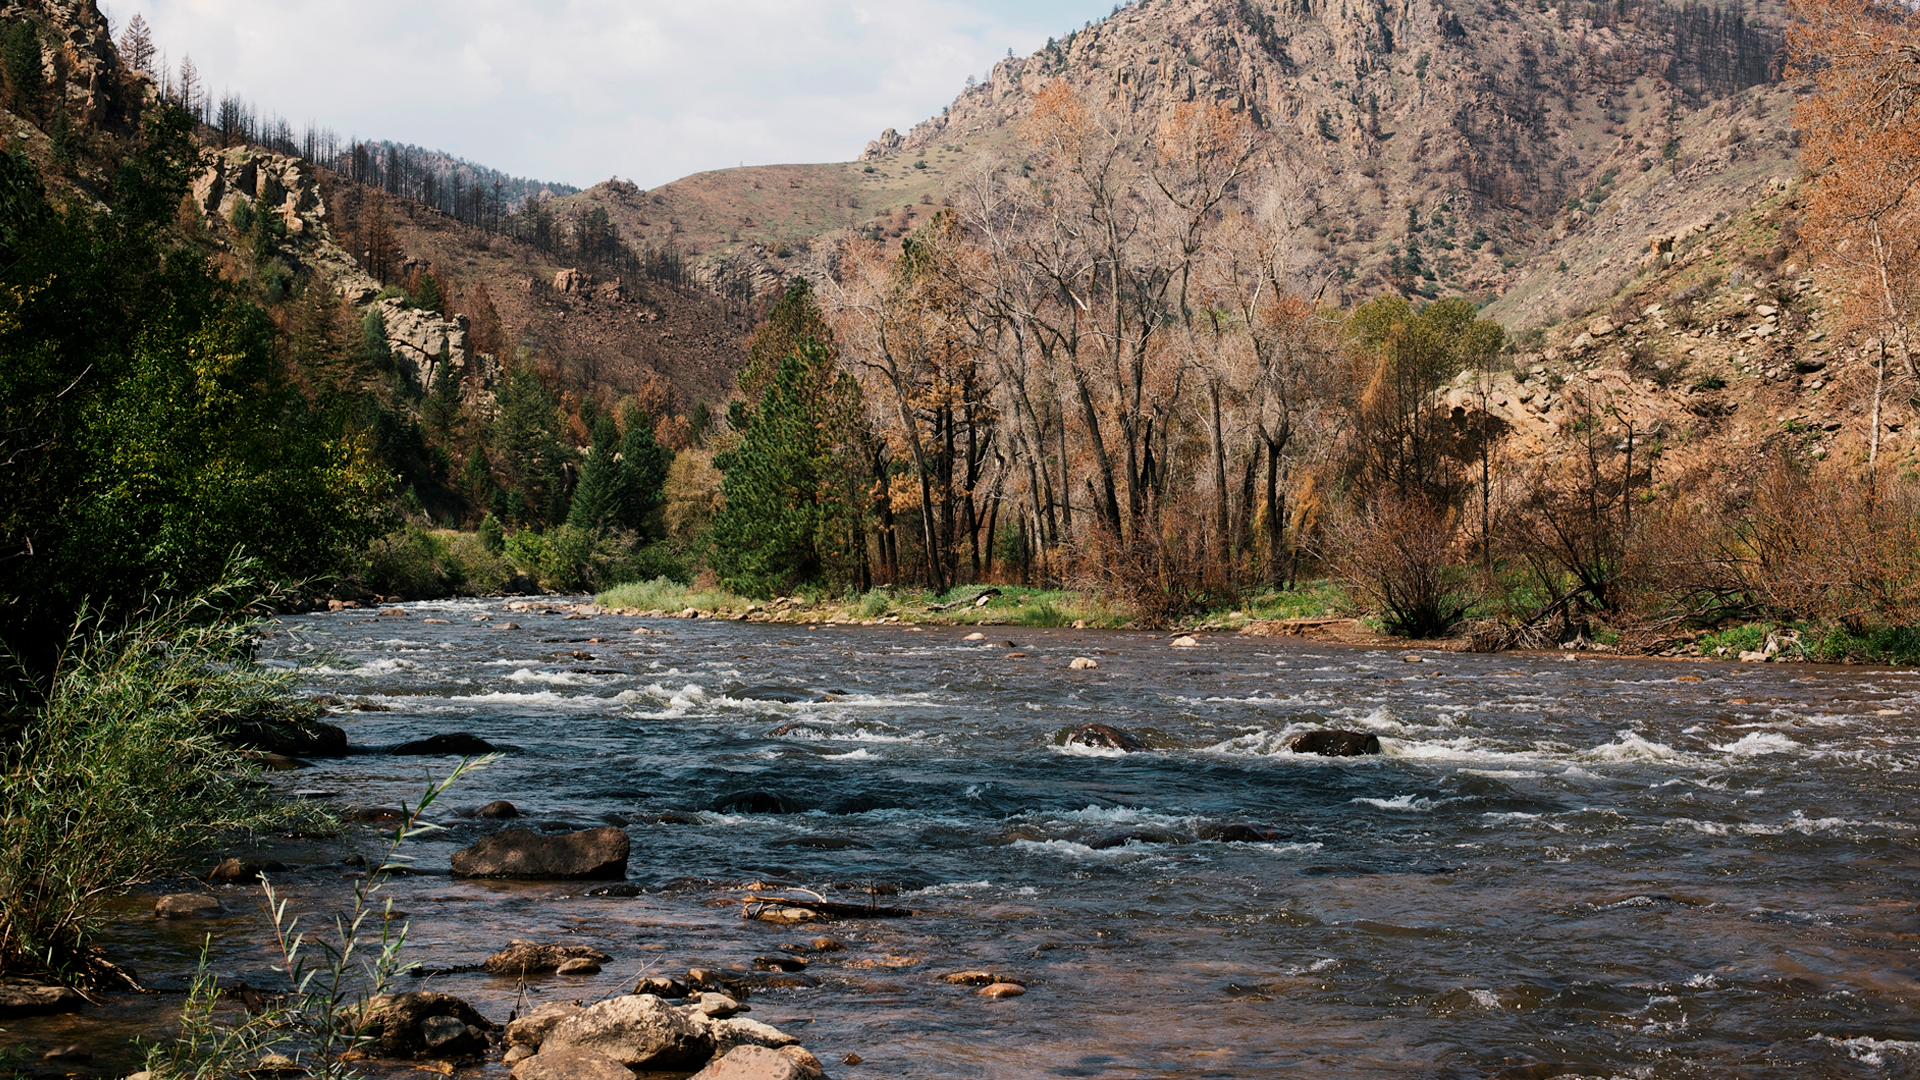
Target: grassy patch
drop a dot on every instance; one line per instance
(1823, 644)
(666, 594)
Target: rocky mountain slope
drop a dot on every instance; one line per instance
(1503, 139)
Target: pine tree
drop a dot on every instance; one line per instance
(374, 352)
(427, 296)
(646, 464)
(784, 520)
(796, 317)
(597, 498)
(20, 56)
(136, 45)
(528, 446)
(189, 86)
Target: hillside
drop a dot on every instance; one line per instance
(1504, 139)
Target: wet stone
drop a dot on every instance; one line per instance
(459, 743)
(497, 809)
(531, 958)
(1335, 743)
(1001, 990)
(1106, 736)
(187, 906)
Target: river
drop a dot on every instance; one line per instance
(1559, 865)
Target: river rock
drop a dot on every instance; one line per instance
(237, 869)
(459, 742)
(24, 997)
(719, 1006)
(1335, 743)
(571, 1064)
(754, 1063)
(592, 853)
(1185, 641)
(662, 987)
(522, 958)
(785, 695)
(733, 1031)
(533, 1028)
(1107, 736)
(423, 1023)
(635, 1030)
(1146, 834)
(497, 810)
(755, 802)
(289, 737)
(187, 906)
(1001, 990)
(978, 978)
(578, 966)
(1084, 663)
(75, 1053)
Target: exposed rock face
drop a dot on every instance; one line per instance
(272, 183)
(889, 142)
(592, 853)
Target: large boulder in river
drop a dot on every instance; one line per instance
(459, 742)
(533, 1028)
(756, 1063)
(289, 736)
(637, 1030)
(424, 1024)
(529, 958)
(1145, 834)
(570, 1065)
(592, 853)
(1335, 743)
(1105, 736)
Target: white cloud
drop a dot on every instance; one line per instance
(580, 90)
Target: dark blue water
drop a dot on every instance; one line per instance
(1558, 866)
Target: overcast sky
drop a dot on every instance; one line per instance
(582, 90)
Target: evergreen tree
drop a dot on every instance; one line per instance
(598, 497)
(374, 352)
(785, 520)
(427, 296)
(795, 318)
(20, 56)
(528, 445)
(136, 44)
(646, 464)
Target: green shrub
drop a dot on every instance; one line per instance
(475, 568)
(410, 562)
(119, 772)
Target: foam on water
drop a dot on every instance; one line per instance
(1871, 1051)
(1411, 803)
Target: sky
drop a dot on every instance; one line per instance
(579, 91)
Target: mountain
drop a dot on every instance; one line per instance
(1505, 139)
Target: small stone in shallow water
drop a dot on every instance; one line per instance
(979, 978)
(1084, 663)
(779, 963)
(521, 958)
(975, 636)
(661, 987)
(851, 1059)
(74, 1052)
(578, 966)
(826, 944)
(1185, 641)
(1002, 990)
(497, 809)
(516, 1054)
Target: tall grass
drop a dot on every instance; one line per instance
(119, 771)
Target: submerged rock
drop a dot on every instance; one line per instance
(24, 997)
(1001, 990)
(592, 853)
(289, 737)
(1107, 736)
(755, 802)
(497, 810)
(785, 695)
(1242, 833)
(1332, 743)
(530, 958)
(458, 742)
(187, 906)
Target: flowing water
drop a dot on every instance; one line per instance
(1558, 865)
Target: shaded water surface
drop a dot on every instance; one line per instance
(1558, 865)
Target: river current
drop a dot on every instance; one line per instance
(1559, 865)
